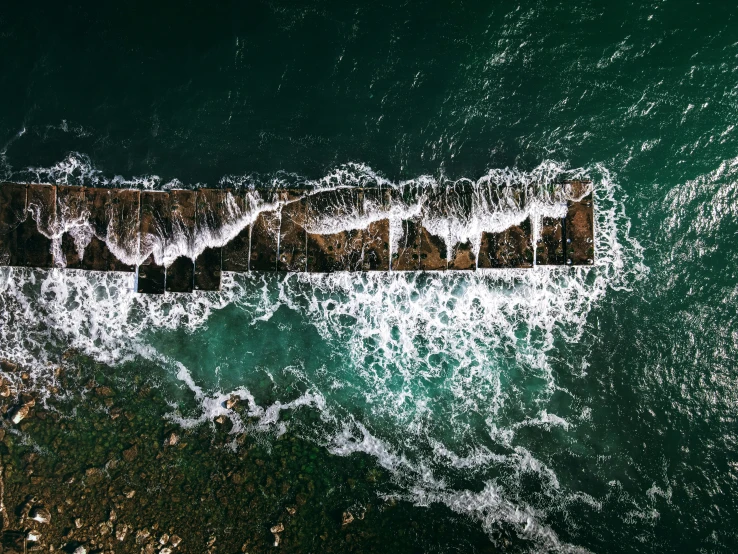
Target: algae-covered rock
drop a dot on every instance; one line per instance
(40, 514)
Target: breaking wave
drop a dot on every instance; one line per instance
(436, 376)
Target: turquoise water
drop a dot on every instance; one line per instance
(587, 409)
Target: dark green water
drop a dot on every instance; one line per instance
(592, 409)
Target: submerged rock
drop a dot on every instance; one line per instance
(8, 366)
(175, 540)
(130, 454)
(104, 391)
(94, 475)
(40, 514)
(20, 413)
(142, 535)
(121, 532)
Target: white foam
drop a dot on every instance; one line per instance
(492, 203)
(434, 368)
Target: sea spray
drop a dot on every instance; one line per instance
(420, 371)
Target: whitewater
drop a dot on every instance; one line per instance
(439, 374)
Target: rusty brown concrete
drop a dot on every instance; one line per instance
(432, 251)
(283, 237)
(156, 228)
(27, 218)
(376, 236)
(550, 245)
(237, 252)
(292, 233)
(340, 251)
(70, 206)
(208, 270)
(180, 274)
(36, 230)
(264, 241)
(580, 232)
(407, 257)
(459, 201)
(113, 216)
(462, 257)
(511, 248)
(12, 215)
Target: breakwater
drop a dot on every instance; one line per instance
(182, 240)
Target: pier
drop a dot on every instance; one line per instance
(179, 241)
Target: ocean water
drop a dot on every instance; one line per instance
(551, 410)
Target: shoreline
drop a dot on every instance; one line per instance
(99, 469)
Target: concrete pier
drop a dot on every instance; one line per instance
(156, 234)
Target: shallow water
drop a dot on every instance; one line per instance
(588, 409)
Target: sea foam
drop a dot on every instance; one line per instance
(440, 373)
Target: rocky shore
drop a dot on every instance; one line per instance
(93, 466)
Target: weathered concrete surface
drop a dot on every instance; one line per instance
(208, 270)
(180, 274)
(406, 235)
(12, 215)
(511, 248)
(580, 232)
(292, 233)
(39, 225)
(71, 207)
(433, 251)
(211, 214)
(212, 210)
(550, 245)
(459, 201)
(150, 277)
(156, 227)
(376, 236)
(124, 207)
(26, 211)
(237, 252)
(462, 257)
(407, 257)
(342, 250)
(265, 241)
(113, 217)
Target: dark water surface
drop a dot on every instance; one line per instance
(583, 410)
